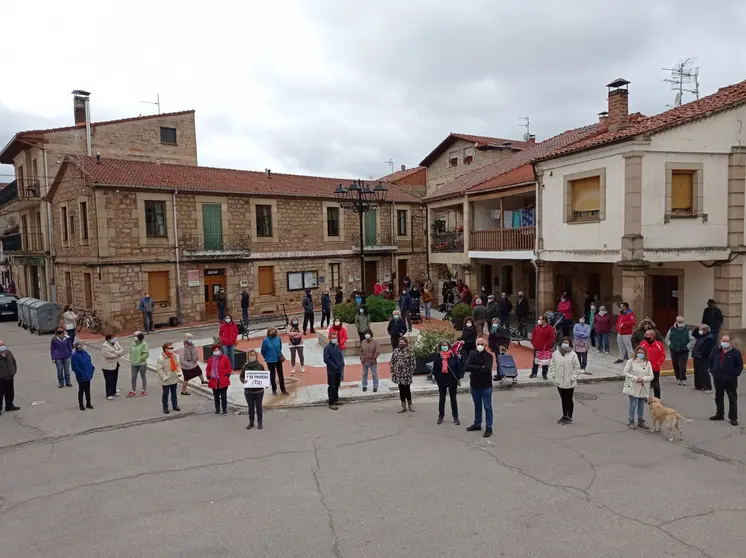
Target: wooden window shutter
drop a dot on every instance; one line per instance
(158, 286)
(266, 280)
(682, 191)
(586, 194)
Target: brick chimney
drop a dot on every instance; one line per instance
(618, 118)
(531, 138)
(80, 106)
(603, 120)
(404, 167)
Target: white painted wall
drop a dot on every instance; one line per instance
(482, 211)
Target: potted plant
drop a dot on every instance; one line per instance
(458, 313)
(428, 344)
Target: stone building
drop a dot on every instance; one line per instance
(37, 155)
(183, 232)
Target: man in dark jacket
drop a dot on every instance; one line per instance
(726, 365)
(479, 366)
(308, 317)
(493, 310)
(326, 308)
(703, 346)
(479, 313)
(521, 308)
(221, 300)
(713, 317)
(339, 296)
(405, 305)
(8, 370)
(245, 305)
(506, 307)
(396, 328)
(335, 363)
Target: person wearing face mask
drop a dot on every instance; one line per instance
(295, 342)
(168, 368)
(139, 352)
(505, 307)
(705, 343)
(493, 308)
(542, 339)
(341, 333)
(427, 302)
(61, 350)
(638, 375)
(369, 353)
(396, 329)
(639, 334)
(189, 366)
(362, 322)
(326, 308)
(335, 364)
(254, 396)
(147, 306)
(625, 325)
(71, 321)
(83, 367)
(479, 315)
(405, 305)
(221, 299)
(680, 341)
(272, 353)
(564, 307)
(448, 377)
(111, 350)
(713, 317)
(308, 312)
(590, 318)
(602, 328)
(563, 370)
(499, 337)
(402, 367)
(228, 337)
(656, 356)
(726, 365)
(219, 369)
(581, 334)
(521, 309)
(479, 366)
(8, 369)
(469, 336)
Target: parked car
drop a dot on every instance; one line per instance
(8, 307)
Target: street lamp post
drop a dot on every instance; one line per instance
(360, 198)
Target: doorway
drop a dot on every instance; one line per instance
(487, 279)
(665, 300)
(34, 281)
(214, 280)
(371, 275)
(401, 272)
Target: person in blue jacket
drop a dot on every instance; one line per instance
(272, 354)
(83, 368)
(335, 363)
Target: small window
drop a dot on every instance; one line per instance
(453, 159)
(332, 221)
(84, 220)
(334, 272)
(468, 155)
(158, 287)
(266, 280)
(682, 192)
(72, 223)
(401, 222)
(155, 219)
(264, 221)
(63, 222)
(299, 280)
(168, 135)
(586, 198)
(88, 291)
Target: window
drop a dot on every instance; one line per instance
(401, 222)
(332, 221)
(158, 287)
(453, 159)
(266, 280)
(63, 221)
(155, 219)
(586, 198)
(299, 280)
(682, 192)
(334, 272)
(264, 221)
(468, 155)
(84, 220)
(72, 223)
(168, 135)
(88, 291)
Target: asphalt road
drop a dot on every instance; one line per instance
(125, 480)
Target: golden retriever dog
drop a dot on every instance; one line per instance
(666, 415)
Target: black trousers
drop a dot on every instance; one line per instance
(276, 367)
(254, 401)
(7, 392)
(679, 360)
(452, 391)
(656, 383)
(110, 378)
(84, 389)
(593, 336)
(308, 320)
(405, 393)
(326, 315)
(535, 368)
(221, 399)
(702, 378)
(333, 380)
(568, 406)
(164, 397)
(583, 359)
(395, 341)
(729, 387)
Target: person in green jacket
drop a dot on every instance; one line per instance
(139, 359)
(362, 322)
(680, 342)
(590, 319)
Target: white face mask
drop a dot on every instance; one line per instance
(469, 324)
(337, 324)
(540, 323)
(335, 341)
(565, 346)
(361, 310)
(582, 320)
(227, 320)
(3, 348)
(480, 348)
(701, 331)
(602, 312)
(367, 335)
(678, 325)
(216, 353)
(593, 307)
(725, 344)
(114, 340)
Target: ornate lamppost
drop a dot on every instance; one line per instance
(360, 198)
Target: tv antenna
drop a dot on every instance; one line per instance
(684, 78)
(390, 162)
(157, 102)
(526, 124)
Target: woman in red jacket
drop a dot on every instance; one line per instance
(542, 338)
(228, 337)
(219, 371)
(656, 356)
(565, 308)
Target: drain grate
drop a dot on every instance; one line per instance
(580, 396)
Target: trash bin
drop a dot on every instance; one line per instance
(23, 311)
(44, 316)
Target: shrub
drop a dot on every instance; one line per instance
(346, 311)
(461, 311)
(428, 342)
(379, 308)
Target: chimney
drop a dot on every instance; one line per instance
(82, 114)
(269, 173)
(98, 157)
(532, 139)
(404, 167)
(603, 120)
(618, 118)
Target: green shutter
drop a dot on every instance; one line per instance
(212, 226)
(371, 218)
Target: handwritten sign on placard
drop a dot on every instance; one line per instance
(257, 379)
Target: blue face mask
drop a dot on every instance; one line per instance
(641, 356)
(3, 348)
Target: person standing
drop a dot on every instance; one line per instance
(228, 338)
(493, 309)
(70, 318)
(146, 306)
(139, 352)
(703, 346)
(8, 369)
(295, 344)
(680, 341)
(396, 329)
(625, 325)
(602, 327)
(221, 300)
(378, 288)
(713, 317)
(469, 336)
(505, 307)
(61, 350)
(466, 296)
(326, 308)
(479, 366)
(521, 309)
(111, 350)
(335, 363)
(219, 369)
(563, 370)
(402, 364)
(272, 353)
(83, 367)
(499, 337)
(726, 365)
(369, 353)
(448, 377)
(590, 319)
(564, 307)
(254, 396)
(245, 306)
(639, 334)
(427, 303)
(656, 354)
(339, 296)
(168, 369)
(308, 317)
(542, 340)
(189, 366)
(405, 303)
(362, 322)
(638, 373)
(581, 333)
(479, 315)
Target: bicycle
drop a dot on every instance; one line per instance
(89, 321)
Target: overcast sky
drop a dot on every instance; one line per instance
(337, 87)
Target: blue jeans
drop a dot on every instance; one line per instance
(636, 402)
(603, 342)
(147, 321)
(374, 370)
(428, 308)
(230, 352)
(482, 397)
(71, 334)
(170, 389)
(63, 371)
(245, 314)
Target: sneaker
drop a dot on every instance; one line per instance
(365, 389)
(225, 412)
(617, 361)
(217, 413)
(12, 408)
(532, 376)
(61, 385)
(678, 382)
(631, 424)
(569, 420)
(143, 393)
(274, 392)
(302, 370)
(717, 417)
(110, 398)
(250, 426)
(474, 428)
(544, 377)
(118, 392)
(333, 408)
(707, 391)
(563, 420)
(487, 433)
(734, 422)
(457, 422)
(641, 424)
(683, 382)
(68, 385)
(284, 392)
(606, 352)
(375, 390)
(131, 394)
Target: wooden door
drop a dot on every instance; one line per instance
(401, 272)
(266, 280)
(213, 284)
(665, 301)
(371, 275)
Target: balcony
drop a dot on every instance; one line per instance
(215, 246)
(22, 193)
(382, 242)
(503, 240)
(17, 243)
(447, 242)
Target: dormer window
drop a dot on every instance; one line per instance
(468, 155)
(453, 159)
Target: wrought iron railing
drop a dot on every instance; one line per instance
(381, 240)
(449, 242)
(215, 243)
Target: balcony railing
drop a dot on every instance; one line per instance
(382, 241)
(501, 240)
(449, 242)
(22, 193)
(31, 242)
(215, 245)
(29, 188)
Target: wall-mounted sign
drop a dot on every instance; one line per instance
(307, 254)
(193, 278)
(211, 272)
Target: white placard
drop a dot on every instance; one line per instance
(257, 379)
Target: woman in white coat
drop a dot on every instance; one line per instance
(563, 370)
(111, 350)
(638, 374)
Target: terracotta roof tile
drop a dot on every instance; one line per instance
(400, 174)
(521, 175)
(105, 122)
(479, 141)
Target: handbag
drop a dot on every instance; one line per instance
(281, 358)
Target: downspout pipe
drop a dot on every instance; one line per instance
(178, 269)
(50, 236)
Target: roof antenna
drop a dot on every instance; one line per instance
(157, 102)
(390, 162)
(526, 124)
(682, 74)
